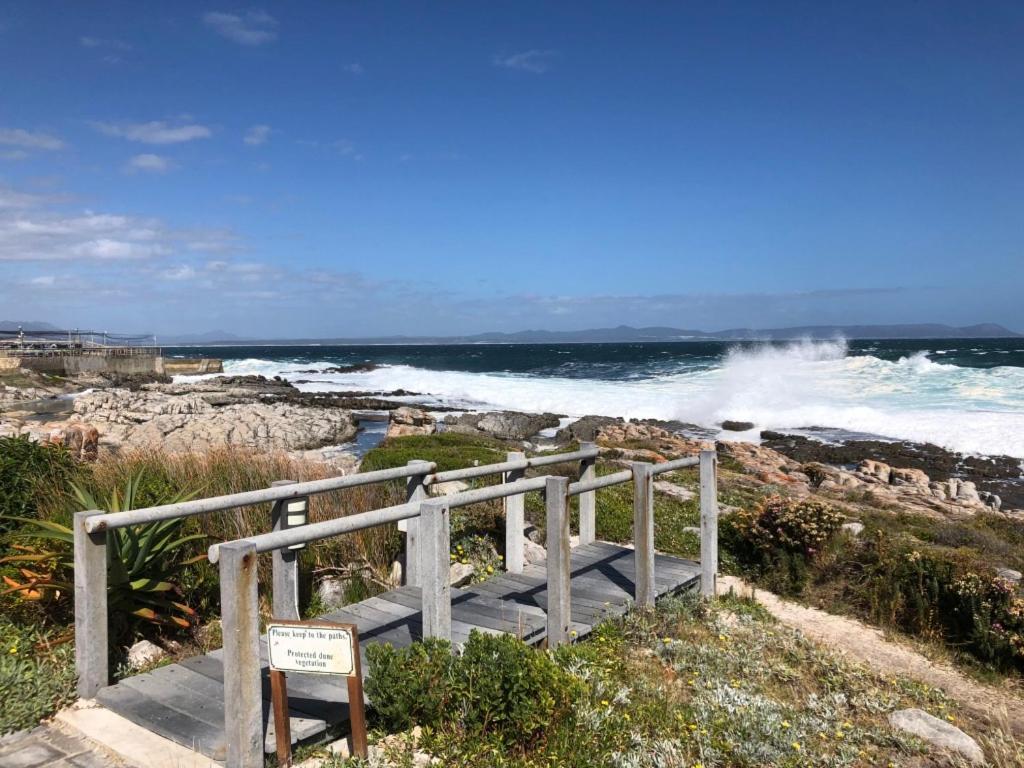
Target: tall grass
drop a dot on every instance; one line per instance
(228, 470)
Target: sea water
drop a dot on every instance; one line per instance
(962, 394)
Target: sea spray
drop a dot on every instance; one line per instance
(890, 391)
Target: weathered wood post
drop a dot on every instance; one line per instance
(90, 607)
(515, 518)
(588, 499)
(643, 532)
(240, 624)
(556, 501)
(285, 564)
(708, 519)
(415, 490)
(435, 589)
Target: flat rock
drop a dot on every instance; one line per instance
(854, 528)
(940, 734)
(144, 653)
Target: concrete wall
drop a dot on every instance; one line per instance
(173, 366)
(123, 365)
(9, 364)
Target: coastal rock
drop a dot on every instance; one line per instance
(1009, 574)
(448, 488)
(533, 553)
(144, 653)
(332, 592)
(81, 440)
(506, 425)
(460, 574)
(585, 429)
(909, 476)
(944, 736)
(876, 469)
(737, 426)
(190, 423)
(410, 421)
(854, 528)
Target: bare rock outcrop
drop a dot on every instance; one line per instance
(410, 421)
(506, 425)
(191, 422)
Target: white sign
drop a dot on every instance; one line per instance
(318, 648)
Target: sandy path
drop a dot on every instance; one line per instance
(869, 646)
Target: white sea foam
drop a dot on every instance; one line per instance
(803, 384)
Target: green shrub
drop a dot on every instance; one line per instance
(778, 538)
(498, 688)
(143, 562)
(941, 593)
(37, 675)
(29, 471)
(409, 686)
(449, 450)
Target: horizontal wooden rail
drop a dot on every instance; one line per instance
(671, 466)
(267, 542)
(516, 465)
(113, 520)
(604, 481)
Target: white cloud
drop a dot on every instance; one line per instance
(19, 137)
(154, 132)
(98, 42)
(355, 68)
(149, 163)
(31, 229)
(257, 134)
(181, 272)
(43, 280)
(254, 27)
(536, 61)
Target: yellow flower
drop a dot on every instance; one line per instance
(604, 702)
(796, 745)
(14, 649)
(785, 723)
(666, 640)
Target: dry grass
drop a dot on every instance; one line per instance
(228, 470)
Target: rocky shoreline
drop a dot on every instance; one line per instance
(274, 415)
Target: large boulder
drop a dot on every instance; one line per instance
(81, 440)
(507, 425)
(943, 736)
(410, 421)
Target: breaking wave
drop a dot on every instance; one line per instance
(799, 385)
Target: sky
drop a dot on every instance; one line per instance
(340, 168)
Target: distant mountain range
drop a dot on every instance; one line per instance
(620, 334)
(628, 334)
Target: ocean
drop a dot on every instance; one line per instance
(966, 395)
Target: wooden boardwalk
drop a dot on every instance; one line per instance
(185, 702)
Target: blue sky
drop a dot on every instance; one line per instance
(342, 168)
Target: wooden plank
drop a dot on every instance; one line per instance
(177, 726)
(194, 694)
(465, 612)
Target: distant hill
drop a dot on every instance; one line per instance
(629, 334)
(27, 325)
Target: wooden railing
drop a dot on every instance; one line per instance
(426, 521)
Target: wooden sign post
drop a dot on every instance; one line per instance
(318, 648)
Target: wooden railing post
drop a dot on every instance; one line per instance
(556, 501)
(643, 533)
(588, 499)
(285, 564)
(415, 490)
(435, 589)
(515, 518)
(240, 624)
(90, 607)
(708, 519)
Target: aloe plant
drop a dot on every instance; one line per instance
(143, 562)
